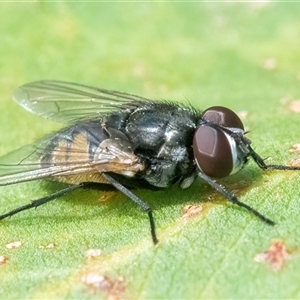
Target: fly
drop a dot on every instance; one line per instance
(126, 141)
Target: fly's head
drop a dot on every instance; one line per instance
(219, 145)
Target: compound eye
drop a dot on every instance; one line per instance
(212, 152)
(222, 116)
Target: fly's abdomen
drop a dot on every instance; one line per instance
(83, 152)
(71, 152)
(74, 145)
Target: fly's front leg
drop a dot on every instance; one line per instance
(232, 198)
(261, 163)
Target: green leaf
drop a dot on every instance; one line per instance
(243, 56)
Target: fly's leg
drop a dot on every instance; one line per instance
(232, 198)
(260, 162)
(137, 200)
(41, 201)
(113, 182)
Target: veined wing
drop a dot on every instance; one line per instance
(24, 164)
(67, 102)
(68, 160)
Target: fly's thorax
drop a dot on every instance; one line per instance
(117, 120)
(146, 129)
(161, 135)
(152, 125)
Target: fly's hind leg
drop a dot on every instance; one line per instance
(44, 200)
(115, 184)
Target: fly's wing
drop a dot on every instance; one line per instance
(67, 102)
(24, 164)
(69, 157)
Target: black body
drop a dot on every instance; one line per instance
(127, 141)
(161, 135)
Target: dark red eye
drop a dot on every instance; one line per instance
(222, 116)
(213, 152)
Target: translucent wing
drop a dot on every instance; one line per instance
(67, 102)
(68, 160)
(22, 165)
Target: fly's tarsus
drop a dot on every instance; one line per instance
(261, 163)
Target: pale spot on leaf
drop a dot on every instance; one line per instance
(275, 256)
(294, 106)
(3, 259)
(13, 245)
(89, 254)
